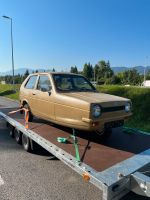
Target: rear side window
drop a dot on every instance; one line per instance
(44, 83)
(31, 82)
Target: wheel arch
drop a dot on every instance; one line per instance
(24, 101)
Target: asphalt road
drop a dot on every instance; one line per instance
(26, 176)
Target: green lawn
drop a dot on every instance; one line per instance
(140, 99)
(8, 91)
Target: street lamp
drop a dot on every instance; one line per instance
(12, 50)
(145, 69)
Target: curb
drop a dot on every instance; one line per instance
(17, 101)
(136, 130)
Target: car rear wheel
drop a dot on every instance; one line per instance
(30, 114)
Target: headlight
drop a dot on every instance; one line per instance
(96, 111)
(128, 107)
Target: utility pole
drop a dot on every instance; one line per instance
(12, 49)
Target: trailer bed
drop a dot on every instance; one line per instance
(98, 154)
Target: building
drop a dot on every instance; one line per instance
(146, 83)
(3, 82)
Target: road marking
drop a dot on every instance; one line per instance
(1, 181)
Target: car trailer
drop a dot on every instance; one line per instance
(116, 166)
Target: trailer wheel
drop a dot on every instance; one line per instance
(30, 114)
(11, 131)
(17, 136)
(7, 125)
(26, 143)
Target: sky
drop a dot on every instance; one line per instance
(64, 33)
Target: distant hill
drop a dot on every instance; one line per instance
(119, 69)
(116, 70)
(21, 71)
(140, 69)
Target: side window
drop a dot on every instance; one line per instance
(44, 83)
(31, 82)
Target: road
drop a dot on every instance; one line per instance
(26, 176)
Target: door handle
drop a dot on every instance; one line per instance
(33, 93)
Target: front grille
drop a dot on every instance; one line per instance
(112, 109)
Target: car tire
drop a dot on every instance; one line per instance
(26, 143)
(30, 114)
(17, 136)
(107, 133)
(11, 131)
(104, 134)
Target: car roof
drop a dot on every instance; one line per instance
(57, 73)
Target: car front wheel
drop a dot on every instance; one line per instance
(104, 134)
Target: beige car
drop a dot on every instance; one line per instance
(71, 100)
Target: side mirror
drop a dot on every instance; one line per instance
(50, 88)
(49, 93)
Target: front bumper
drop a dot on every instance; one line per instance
(110, 121)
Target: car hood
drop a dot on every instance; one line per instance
(95, 97)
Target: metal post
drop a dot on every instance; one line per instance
(94, 76)
(12, 50)
(12, 54)
(145, 69)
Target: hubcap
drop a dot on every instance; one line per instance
(25, 141)
(17, 135)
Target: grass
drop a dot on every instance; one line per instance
(140, 98)
(7, 90)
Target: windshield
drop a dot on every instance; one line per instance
(69, 82)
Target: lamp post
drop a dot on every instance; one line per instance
(12, 50)
(146, 64)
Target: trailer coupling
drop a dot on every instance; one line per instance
(140, 184)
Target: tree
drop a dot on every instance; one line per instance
(74, 70)
(103, 71)
(130, 77)
(88, 71)
(148, 75)
(26, 74)
(53, 70)
(113, 80)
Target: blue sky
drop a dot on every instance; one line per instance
(62, 33)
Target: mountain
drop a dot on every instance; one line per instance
(140, 69)
(116, 70)
(119, 69)
(21, 71)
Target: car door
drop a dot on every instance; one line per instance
(45, 97)
(30, 92)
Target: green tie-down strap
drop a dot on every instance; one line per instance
(75, 142)
(62, 140)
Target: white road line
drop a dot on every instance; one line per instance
(1, 181)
